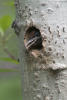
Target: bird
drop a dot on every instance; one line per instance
(33, 41)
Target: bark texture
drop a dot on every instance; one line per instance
(44, 77)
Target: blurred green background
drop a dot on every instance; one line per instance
(10, 80)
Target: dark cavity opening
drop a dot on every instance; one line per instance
(33, 38)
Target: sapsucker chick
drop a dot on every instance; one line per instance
(34, 39)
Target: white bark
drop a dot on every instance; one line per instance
(44, 78)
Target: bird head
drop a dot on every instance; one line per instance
(33, 39)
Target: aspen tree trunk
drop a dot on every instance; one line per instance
(44, 77)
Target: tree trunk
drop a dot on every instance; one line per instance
(44, 70)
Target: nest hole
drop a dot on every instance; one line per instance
(33, 38)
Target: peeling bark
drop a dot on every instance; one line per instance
(44, 71)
